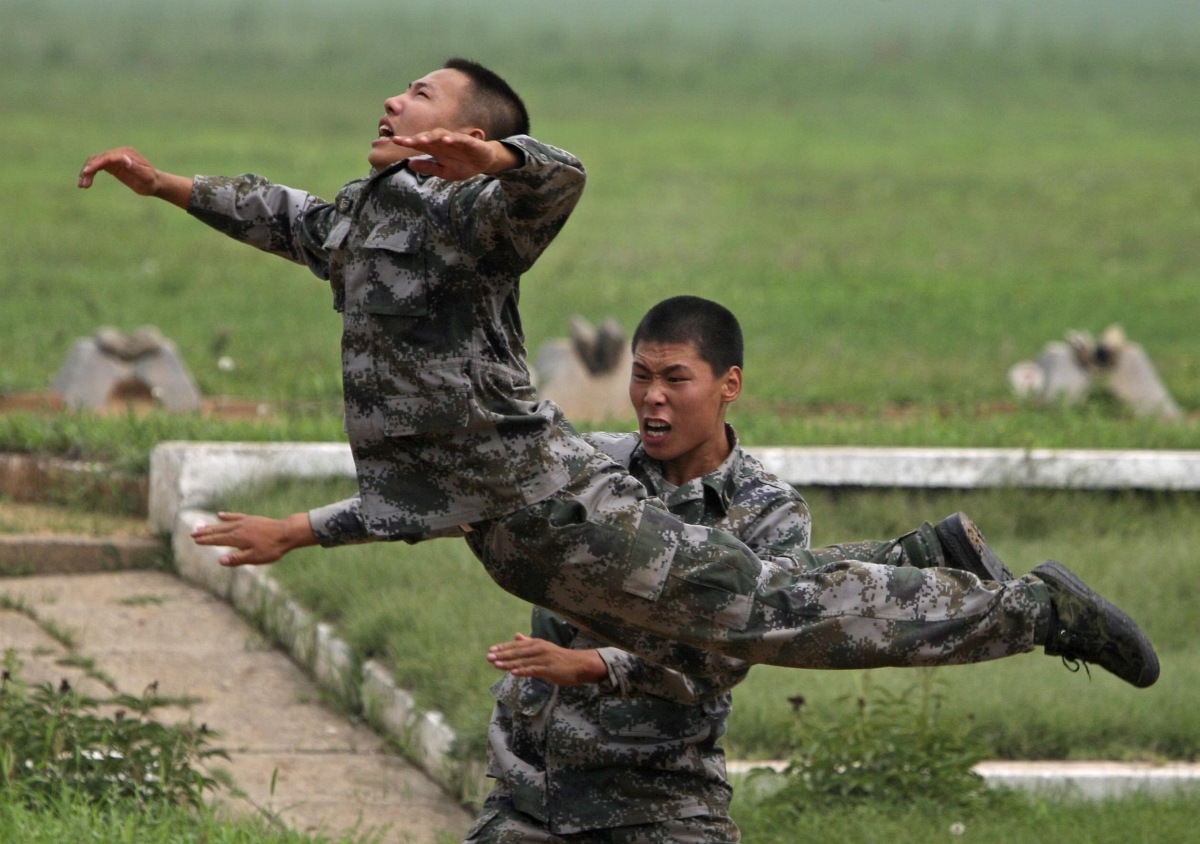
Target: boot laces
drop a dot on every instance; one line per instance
(1073, 664)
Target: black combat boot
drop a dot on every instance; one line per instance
(1086, 628)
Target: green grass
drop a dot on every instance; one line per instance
(898, 211)
(71, 820)
(76, 768)
(1152, 821)
(1144, 820)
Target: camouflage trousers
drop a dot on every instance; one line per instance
(501, 823)
(609, 558)
(920, 548)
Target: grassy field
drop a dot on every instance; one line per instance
(898, 213)
(1147, 821)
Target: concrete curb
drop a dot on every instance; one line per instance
(193, 475)
(973, 468)
(1085, 780)
(188, 478)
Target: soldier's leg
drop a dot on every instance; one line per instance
(603, 555)
(954, 542)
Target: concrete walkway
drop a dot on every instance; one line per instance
(293, 756)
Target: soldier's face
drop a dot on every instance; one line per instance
(431, 102)
(680, 403)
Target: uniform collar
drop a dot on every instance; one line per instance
(718, 486)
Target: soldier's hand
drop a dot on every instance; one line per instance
(258, 539)
(455, 155)
(526, 656)
(125, 164)
(134, 170)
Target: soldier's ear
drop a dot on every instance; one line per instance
(731, 384)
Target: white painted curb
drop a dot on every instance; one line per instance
(972, 468)
(189, 475)
(1087, 780)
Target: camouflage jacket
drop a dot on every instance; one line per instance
(442, 418)
(641, 746)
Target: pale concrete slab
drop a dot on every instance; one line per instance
(310, 789)
(1091, 780)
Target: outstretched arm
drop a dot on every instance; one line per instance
(525, 656)
(258, 539)
(132, 169)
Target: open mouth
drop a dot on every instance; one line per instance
(385, 131)
(655, 428)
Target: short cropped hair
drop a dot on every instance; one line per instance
(492, 104)
(710, 327)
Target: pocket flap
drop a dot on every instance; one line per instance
(525, 696)
(393, 239)
(337, 235)
(649, 560)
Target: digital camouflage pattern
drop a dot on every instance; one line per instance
(575, 758)
(640, 748)
(446, 431)
(606, 556)
(441, 415)
(500, 823)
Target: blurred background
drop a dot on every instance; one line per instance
(900, 198)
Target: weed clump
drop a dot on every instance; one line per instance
(891, 749)
(55, 743)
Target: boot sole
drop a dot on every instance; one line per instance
(965, 542)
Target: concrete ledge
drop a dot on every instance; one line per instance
(195, 475)
(59, 554)
(1084, 780)
(971, 468)
(1092, 780)
(187, 475)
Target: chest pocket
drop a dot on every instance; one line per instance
(525, 696)
(397, 271)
